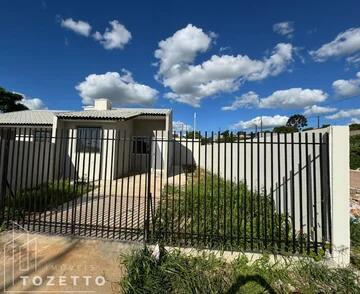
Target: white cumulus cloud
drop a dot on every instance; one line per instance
(348, 113)
(179, 126)
(115, 37)
(345, 43)
(246, 100)
(347, 88)
(191, 83)
(265, 121)
(119, 87)
(315, 109)
(285, 28)
(293, 98)
(78, 26)
(32, 103)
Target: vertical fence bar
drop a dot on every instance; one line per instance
(89, 151)
(112, 169)
(43, 183)
(180, 187)
(265, 195)
(231, 189)
(73, 199)
(122, 182)
(205, 189)
(212, 190)
(258, 227)
(105, 179)
(169, 141)
(116, 174)
(315, 192)
(149, 196)
(252, 191)
(186, 188)
(143, 152)
(101, 151)
(192, 186)
(286, 195)
(301, 194)
(14, 187)
(66, 138)
(279, 190)
(198, 190)
(293, 194)
(138, 154)
(225, 195)
(132, 148)
(173, 193)
(94, 146)
(238, 189)
(37, 216)
(308, 193)
(245, 196)
(218, 184)
(48, 212)
(272, 190)
(161, 184)
(26, 195)
(84, 131)
(22, 189)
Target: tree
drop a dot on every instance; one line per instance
(190, 135)
(298, 121)
(10, 101)
(285, 129)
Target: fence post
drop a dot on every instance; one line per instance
(340, 194)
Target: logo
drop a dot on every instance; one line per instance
(27, 269)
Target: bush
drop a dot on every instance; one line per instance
(213, 216)
(44, 197)
(177, 273)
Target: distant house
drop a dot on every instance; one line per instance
(90, 138)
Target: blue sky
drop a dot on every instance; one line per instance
(229, 61)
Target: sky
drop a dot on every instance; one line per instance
(233, 63)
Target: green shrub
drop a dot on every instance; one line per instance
(215, 217)
(177, 273)
(43, 197)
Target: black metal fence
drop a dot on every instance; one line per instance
(243, 191)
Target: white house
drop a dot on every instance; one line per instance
(92, 140)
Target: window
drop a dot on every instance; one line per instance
(42, 135)
(88, 139)
(141, 145)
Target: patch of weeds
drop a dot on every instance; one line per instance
(178, 273)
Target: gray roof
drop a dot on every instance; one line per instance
(113, 114)
(27, 117)
(46, 117)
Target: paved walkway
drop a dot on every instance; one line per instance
(114, 209)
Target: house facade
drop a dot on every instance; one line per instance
(86, 142)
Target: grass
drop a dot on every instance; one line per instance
(207, 211)
(44, 197)
(177, 273)
(355, 242)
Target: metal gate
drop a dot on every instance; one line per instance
(240, 191)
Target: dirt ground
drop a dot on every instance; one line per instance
(41, 263)
(355, 179)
